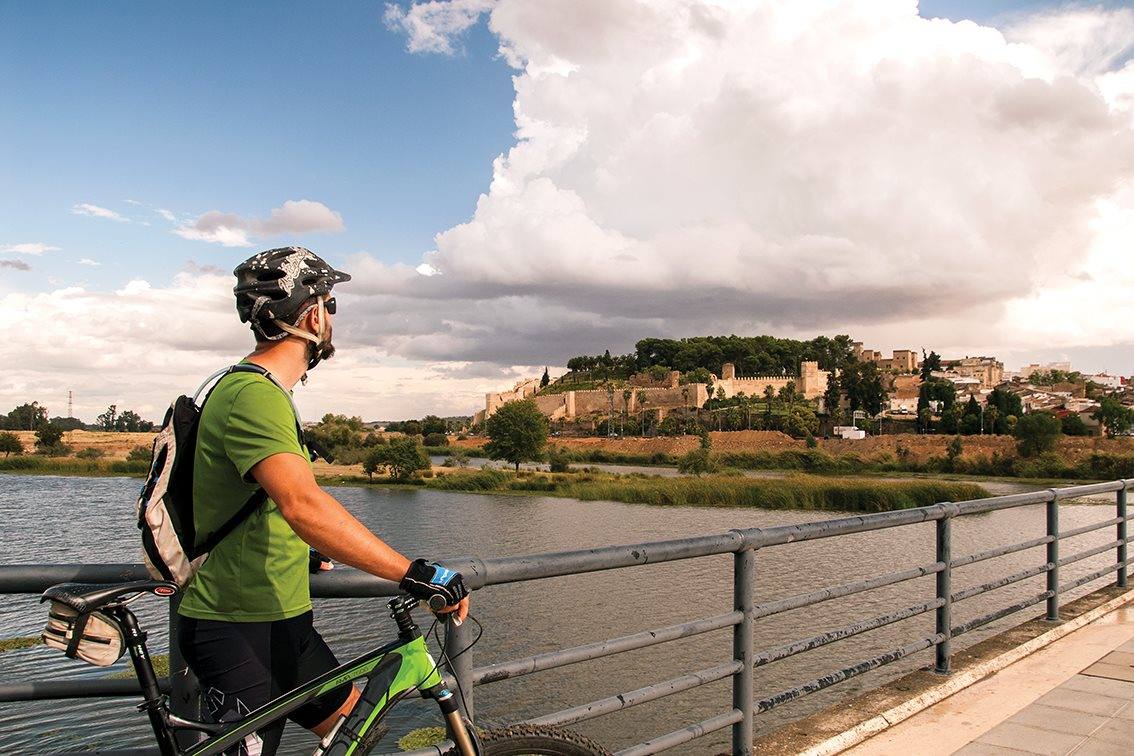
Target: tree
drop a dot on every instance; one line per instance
(436, 439)
(48, 440)
(402, 457)
(546, 379)
(128, 422)
(769, 398)
(67, 423)
(107, 419)
(27, 417)
(930, 363)
(1116, 418)
(800, 421)
(953, 452)
(1073, 425)
(10, 443)
(1036, 433)
(697, 462)
(433, 424)
(934, 390)
(517, 432)
(787, 393)
(832, 399)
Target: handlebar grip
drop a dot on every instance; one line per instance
(437, 603)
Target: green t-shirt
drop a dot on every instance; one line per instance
(259, 571)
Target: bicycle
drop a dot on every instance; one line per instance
(392, 671)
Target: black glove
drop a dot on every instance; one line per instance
(425, 580)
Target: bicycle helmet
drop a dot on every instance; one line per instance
(273, 286)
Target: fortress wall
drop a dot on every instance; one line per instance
(552, 405)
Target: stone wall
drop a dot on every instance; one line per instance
(811, 382)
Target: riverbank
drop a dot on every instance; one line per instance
(803, 492)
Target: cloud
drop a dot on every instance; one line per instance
(15, 264)
(232, 230)
(433, 27)
(89, 261)
(28, 248)
(95, 211)
(685, 167)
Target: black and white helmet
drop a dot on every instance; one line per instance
(274, 285)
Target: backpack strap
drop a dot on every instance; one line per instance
(257, 499)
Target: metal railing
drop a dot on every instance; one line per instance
(744, 545)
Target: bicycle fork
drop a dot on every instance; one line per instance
(456, 723)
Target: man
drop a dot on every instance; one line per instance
(246, 621)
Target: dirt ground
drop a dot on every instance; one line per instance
(118, 445)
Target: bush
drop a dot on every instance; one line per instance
(697, 462)
(140, 454)
(48, 436)
(90, 453)
(436, 439)
(58, 449)
(1036, 433)
(559, 460)
(10, 444)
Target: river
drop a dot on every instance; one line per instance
(50, 519)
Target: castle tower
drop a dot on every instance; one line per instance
(728, 371)
(809, 379)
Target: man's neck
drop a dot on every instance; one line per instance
(285, 359)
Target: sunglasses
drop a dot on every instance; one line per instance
(330, 305)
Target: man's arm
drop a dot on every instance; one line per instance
(322, 522)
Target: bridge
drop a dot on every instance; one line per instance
(952, 668)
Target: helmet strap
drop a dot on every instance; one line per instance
(319, 349)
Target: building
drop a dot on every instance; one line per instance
(989, 371)
(644, 394)
(903, 360)
(1026, 372)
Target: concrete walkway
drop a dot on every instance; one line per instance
(1075, 696)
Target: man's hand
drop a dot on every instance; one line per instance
(428, 581)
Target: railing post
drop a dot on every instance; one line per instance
(743, 588)
(1053, 557)
(1121, 535)
(944, 591)
(460, 657)
(185, 692)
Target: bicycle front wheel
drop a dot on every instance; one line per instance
(528, 740)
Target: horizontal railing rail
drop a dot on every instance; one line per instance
(744, 545)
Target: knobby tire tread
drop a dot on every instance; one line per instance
(518, 740)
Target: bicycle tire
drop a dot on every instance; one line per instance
(530, 740)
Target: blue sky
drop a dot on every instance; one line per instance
(239, 107)
(153, 115)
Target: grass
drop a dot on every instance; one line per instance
(13, 644)
(161, 668)
(36, 465)
(726, 490)
(422, 737)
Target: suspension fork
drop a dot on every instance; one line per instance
(458, 730)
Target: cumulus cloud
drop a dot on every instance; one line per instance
(686, 167)
(143, 344)
(89, 261)
(15, 264)
(28, 248)
(95, 211)
(232, 230)
(433, 27)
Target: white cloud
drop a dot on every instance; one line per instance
(232, 230)
(686, 167)
(89, 261)
(28, 248)
(95, 211)
(432, 27)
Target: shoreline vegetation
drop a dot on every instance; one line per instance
(727, 489)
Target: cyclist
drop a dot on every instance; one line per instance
(246, 621)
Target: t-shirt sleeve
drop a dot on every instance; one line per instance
(260, 423)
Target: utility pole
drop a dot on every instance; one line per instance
(70, 403)
(610, 412)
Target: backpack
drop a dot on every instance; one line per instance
(171, 548)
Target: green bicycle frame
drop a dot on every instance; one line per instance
(392, 671)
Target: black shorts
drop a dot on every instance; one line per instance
(244, 665)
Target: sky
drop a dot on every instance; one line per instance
(512, 182)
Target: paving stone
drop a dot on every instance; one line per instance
(1101, 748)
(983, 749)
(1126, 712)
(1118, 731)
(1120, 657)
(1127, 646)
(1077, 700)
(1113, 671)
(1030, 739)
(1104, 686)
(1059, 720)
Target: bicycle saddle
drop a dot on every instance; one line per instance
(89, 597)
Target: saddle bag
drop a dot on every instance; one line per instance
(93, 637)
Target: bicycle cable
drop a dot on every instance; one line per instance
(449, 659)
